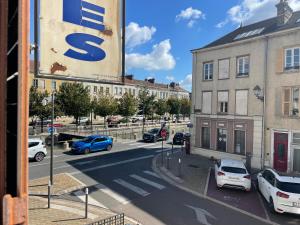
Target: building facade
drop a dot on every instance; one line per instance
(245, 94)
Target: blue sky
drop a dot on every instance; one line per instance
(161, 33)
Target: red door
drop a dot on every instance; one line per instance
(280, 151)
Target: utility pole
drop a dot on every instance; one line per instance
(52, 139)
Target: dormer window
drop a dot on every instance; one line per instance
(249, 33)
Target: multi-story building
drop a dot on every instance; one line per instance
(130, 85)
(245, 93)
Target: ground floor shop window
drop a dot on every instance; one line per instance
(205, 137)
(239, 142)
(222, 140)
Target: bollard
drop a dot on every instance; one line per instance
(86, 202)
(49, 194)
(168, 160)
(179, 167)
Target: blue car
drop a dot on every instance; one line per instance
(92, 144)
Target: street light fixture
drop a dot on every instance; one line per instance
(258, 92)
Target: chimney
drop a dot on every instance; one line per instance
(284, 12)
(151, 80)
(129, 77)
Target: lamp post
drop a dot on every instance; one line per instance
(52, 138)
(258, 92)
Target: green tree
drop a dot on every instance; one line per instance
(105, 106)
(127, 106)
(74, 100)
(185, 108)
(37, 109)
(174, 106)
(146, 102)
(161, 107)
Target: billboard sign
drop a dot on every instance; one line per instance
(80, 39)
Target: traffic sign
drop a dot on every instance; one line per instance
(163, 133)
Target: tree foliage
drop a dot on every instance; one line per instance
(127, 105)
(146, 102)
(185, 108)
(105, 105)
(161, 107)
(74, 99)
(174, 106)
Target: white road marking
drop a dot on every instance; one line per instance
(137, 143)
(131, 187)
(207, 181)
(165, 150)
(112, 164)
(151, 174)
(84, 163)
(81, 195)
(148, 145)
(62, 167)
(201, 215)
(73, 211)
(149, 182)
(112, 194)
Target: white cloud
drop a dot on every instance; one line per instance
(191, 15)
(159, 59)
(137, 35)
(251, 11)
(187, 82)
(170, 78)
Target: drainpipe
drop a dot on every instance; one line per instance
(264, 102)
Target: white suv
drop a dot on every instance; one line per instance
(282, 191)
(233, 174)
(36, 149)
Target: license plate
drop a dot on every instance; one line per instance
(296, 204)
(233, 178)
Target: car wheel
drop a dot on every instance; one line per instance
(109, 147)
(86, 151)
(39, 157)
(271, 206)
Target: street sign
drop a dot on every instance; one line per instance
(50, 130)
(80, 39)
(163, 133)
(190, 125)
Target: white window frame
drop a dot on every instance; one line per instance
(243, 73)
(35, 83)
(210, 71)
(53, 84)
(293, 66)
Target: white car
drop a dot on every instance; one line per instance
(282, 192)
(233, 174)
(36, 149)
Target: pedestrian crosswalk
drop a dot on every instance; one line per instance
(120, 190)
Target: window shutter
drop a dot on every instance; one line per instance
(224, 69)
(206, 102)
(286, 101)
(241, 102)
(280, 60)
(222, 96)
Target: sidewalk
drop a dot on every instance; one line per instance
(63, 211)
(192, 172)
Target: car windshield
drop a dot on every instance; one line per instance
(288, 187)
(179, 135)
(154, 131)
(87, 140)
(230, 169)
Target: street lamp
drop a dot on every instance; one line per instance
(258, 92)
(52, 138)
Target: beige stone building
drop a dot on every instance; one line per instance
(245, 93)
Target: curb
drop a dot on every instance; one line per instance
(169, 180)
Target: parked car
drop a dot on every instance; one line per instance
(114, 121)
(179, 138)
(83, 120)
(154, 135)
(232, 174)
(92, 144)
(137, 118)
(36, 149)
(281, 191)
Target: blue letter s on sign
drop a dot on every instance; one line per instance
(79, 41)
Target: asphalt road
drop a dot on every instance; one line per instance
(123, 181)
